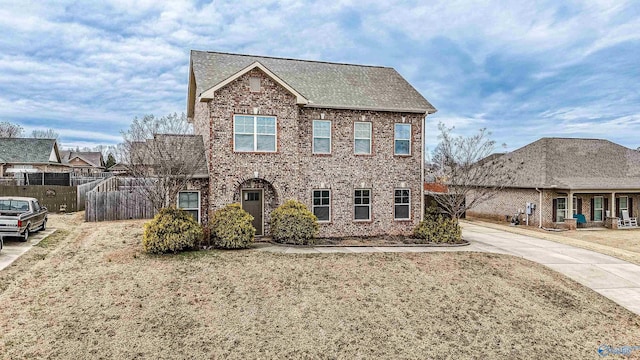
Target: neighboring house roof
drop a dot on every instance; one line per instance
(315, 83)
(177, 149)
(29, 151)
(575, 164)
(92, 158)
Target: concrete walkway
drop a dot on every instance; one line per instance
(616, 279)
(14, 248)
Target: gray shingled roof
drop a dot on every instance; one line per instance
(324, 84)
(576, 164)
(93, 158)
(185, 149)
(26, 150)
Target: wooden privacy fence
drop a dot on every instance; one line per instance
(51, 196)
(82, 193)
(118, 199)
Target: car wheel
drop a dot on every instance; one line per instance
(44, 225)
(25, 236)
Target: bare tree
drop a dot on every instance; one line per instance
(471, 170)
(45, 134)
(10, 130)
(164, 155)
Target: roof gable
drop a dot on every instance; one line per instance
(29, 151)
(321, 84)
(208, 94)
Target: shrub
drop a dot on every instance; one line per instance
(231, 228)
(171, 230)
(438, 230)
(293, 223)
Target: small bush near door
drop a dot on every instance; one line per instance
(170, 231)
(293, 223)
(231, 228)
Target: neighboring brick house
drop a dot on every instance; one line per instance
(84, 162)
(28, 155)
(346, 140)
(566, 176)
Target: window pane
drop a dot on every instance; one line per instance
(266, 143)
(362, 213)
(316, 193)
(402, 211)
(623, 203)
(402, 147)
(193, 213)
(362, 130)
(362, 147)
(562, 203)
(365, 193)
(403, 131)
(597, 202)
(244, 124)
(322, 212)
(266, 125)
(325, 193)
(561, 215)
(188, 200)
(321, 146)
(321, 128)
(244, 142)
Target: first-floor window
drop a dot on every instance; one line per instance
(362, 204)
(623, 202)
(598, 208)
(561, 209)
(575, 205)
(322, 205)
(402, 202)
(189, 201)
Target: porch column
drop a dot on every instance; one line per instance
(569, 205)
(612, 205)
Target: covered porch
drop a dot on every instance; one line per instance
(613, 208)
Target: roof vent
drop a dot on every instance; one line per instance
(254, 84)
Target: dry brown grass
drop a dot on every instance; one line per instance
(92, 294)
(623, 244)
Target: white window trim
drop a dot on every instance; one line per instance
(199, 202)
(315, 206)
(368, 205)
(313, 137)
(396, 139)
(601, 209)
(370, 137)
(255, 134)
(396, 204)
(563, 210)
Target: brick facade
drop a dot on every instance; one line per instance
(292, 172)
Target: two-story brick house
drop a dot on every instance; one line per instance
(346, 140)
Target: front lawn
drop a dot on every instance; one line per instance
(94, 295)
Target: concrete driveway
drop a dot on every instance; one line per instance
(614, 278)
(14, 248)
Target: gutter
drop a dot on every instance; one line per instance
(424, 134)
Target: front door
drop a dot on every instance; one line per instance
(253, 204)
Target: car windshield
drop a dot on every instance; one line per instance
(14, 205)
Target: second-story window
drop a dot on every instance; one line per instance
(402, 139)
(362, 138)
(321, 137)
(254, 133)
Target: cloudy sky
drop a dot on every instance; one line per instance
(522, 69)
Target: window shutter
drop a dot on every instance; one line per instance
(630, 204)
(579, 205)
(606, 207)
(555, 210)
(617, 213)
(592, 209)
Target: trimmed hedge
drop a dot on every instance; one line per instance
(231, 228)
(438, 230)
(170, 231)
(293, 223)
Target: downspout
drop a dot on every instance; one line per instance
(424, 134)
(540, 208)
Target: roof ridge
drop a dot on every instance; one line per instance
(293, 59)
